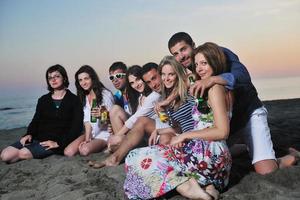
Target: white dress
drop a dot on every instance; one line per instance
(98, 130)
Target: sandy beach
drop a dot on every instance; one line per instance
(58, 177)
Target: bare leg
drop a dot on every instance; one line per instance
(132, 139)
(210, 189)
(192, 190)
(290, 159)
(117, 117)
(25, 154)
(268, 166)
(72, 148)
(265, 166)
(10, 154)
(94, 146)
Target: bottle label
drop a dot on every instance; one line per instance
(94, 105)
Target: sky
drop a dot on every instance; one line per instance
(36, 34)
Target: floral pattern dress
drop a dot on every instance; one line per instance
(153, 171)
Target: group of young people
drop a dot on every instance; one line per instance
(185, 108)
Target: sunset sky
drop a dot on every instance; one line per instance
(36, 34)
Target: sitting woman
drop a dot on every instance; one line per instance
(89, 89)
(57, 121)
(198, 161)
(141, 101)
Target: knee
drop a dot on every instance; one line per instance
(5, 156)
(84, 151)
(24, 154)
(115, 109)
(265, 166)
(69, 152)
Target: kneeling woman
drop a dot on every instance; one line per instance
(57, 121)
(90, 88)
(198, 161)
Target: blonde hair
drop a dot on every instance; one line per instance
(180, 86)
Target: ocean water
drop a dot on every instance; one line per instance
(278, 88)
(17, 110)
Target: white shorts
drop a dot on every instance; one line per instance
(103, 135)
(99, 131)
(257, 136)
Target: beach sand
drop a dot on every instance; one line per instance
(58, 177)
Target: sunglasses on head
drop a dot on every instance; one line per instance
(118, 76)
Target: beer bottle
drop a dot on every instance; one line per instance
(94, 105)
(191, 80)
(202, 105)
(104, 115)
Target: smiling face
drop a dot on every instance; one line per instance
(182, 53)
(203, 69)
(168, 76)
(118, 79)
(55, 80)
(136, 83)
(153, 80)
(85, 81)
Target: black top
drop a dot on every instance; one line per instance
(61, 125)
(245, 102)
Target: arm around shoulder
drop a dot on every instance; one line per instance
(220, 129)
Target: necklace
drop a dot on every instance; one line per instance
(59, 94)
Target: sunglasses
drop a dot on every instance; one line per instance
(118, 76)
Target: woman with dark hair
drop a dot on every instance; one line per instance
(141, 101)
(89, 89)
(57, 121)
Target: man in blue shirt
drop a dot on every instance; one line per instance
(117, 75)
(249, 116)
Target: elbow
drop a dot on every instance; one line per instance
(224, 134)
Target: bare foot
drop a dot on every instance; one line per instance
(295, 153)
(111, 161)
(291, 159)
(210, 189)
(192, 190)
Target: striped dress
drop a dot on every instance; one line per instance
(183, 115)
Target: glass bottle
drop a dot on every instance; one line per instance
(94, 105)
(103, 115)
(163, 116)
(202, 105)
(191, 80)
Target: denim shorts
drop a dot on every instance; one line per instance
(37, 150)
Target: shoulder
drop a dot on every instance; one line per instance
(71, 94)
(216, 90)
(45, 97)
(154, 95)
(72, 97)
(106, 92)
